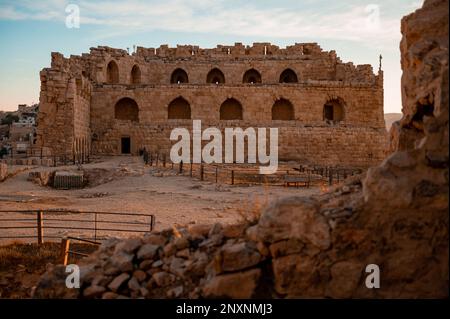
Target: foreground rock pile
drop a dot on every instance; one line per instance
(233, 261)
(395, 217)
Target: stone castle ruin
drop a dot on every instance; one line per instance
(395, 216)
(111, 102)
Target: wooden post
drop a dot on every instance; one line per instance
(180, 167)
(190, 170)
(172, 165)
(232, 177)
(309, 179)
(65, 244)
(164, 161)
(157, 158)
(202, 172)
(330, 176)
(216, 173)
(40, 228)
(95, 226)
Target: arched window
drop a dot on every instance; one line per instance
(283, 110)
(112, 73)
(215, 76)
(126, 109)
(231, 109)
(252, 76)
(135, 75)
(333, 110)
(179, 76)
(288, 76)
(179, 109)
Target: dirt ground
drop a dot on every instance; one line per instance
(124, 184)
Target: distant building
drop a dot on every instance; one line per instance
(19, 135)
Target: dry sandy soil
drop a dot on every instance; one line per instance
(126, 185)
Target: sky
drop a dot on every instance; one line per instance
(358, 30)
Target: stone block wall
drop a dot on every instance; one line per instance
(81, 94)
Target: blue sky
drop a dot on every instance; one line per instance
(359, 30)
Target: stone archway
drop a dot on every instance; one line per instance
(135, 75)
(112, 73)
(179, 76)
(252, 76)
(283, 110)
(288, 76)
(215, 76)
(231, 109)
(126, 109)
(179, 109)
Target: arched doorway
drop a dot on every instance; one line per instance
(179, 109)
(231, 109)
(126, 109)
(252, 76)
(288, 76)
(112, 73)
(283, 110)
(179, 76)
(135, 75)
(215, 76)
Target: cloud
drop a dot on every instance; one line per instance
(362, 23)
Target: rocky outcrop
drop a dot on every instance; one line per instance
(42, 178)
(395, 217)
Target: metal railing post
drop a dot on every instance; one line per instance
(40, 228)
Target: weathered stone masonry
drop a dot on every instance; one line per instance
(327, 111)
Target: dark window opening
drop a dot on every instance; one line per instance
(333, 110)
(252, 76)
(328, 112)
(179, 76)
(215, 76)
(288, 76)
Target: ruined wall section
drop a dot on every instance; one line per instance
(64, 113)
(358, 140)
(88, 121)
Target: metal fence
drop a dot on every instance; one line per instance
(56, 224)
(235, 174)
(38, 154)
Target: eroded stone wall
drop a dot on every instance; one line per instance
(81, 94)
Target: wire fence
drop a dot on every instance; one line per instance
(239, 174)
(56, 224)
(39, 156)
